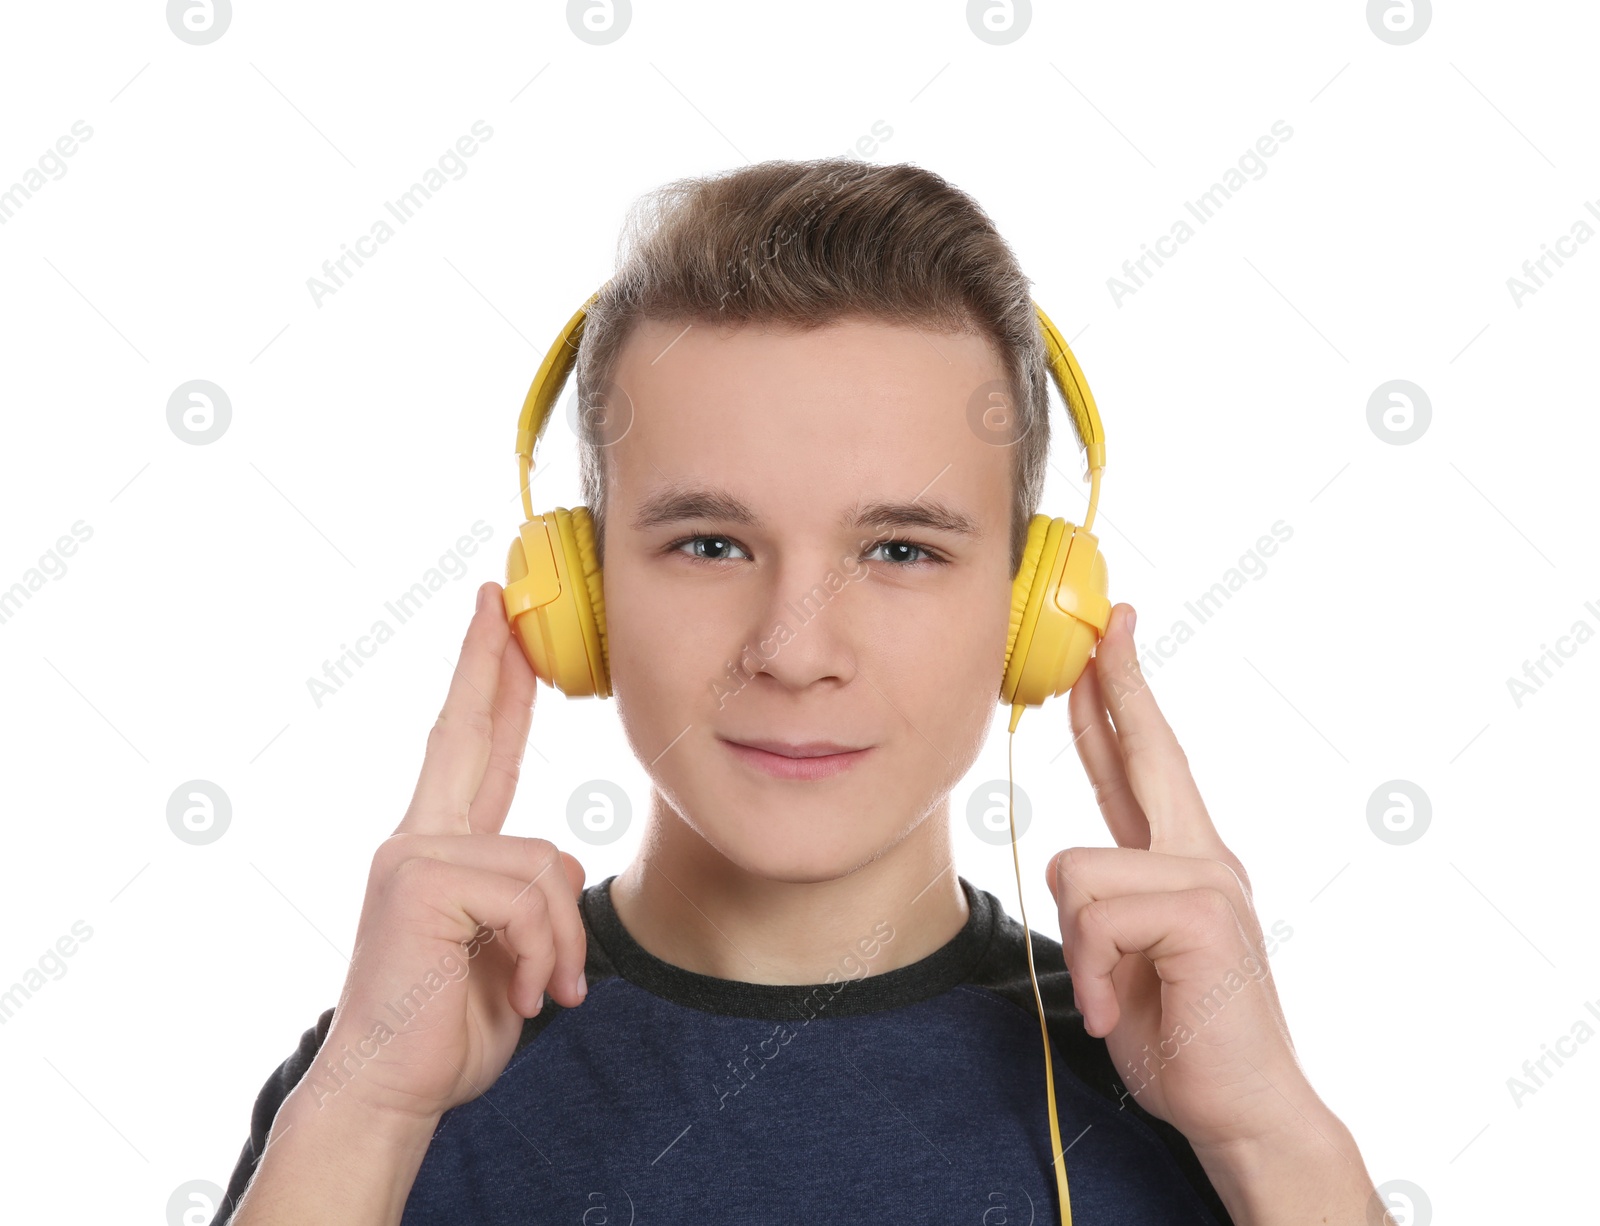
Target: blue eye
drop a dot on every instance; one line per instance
(905, 545)
(696, 553)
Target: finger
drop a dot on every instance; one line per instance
(1079, 876)
(1186, 935)
(1158, 769)
(513, 716)
(461, 738)
(1101, 756)
(534, 905)
(483, 900)
(564, 980)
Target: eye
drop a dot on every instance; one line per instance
(716, 552)
(897, 554)
(901, 554)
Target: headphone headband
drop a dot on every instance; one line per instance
(563, 353)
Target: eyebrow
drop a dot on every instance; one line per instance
(679, 503)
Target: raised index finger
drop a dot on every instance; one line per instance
(513, 716)
(1101, 755)
(1158, 769)
(460, 740)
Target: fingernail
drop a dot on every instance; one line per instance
(583, 986)
(1133, 618)
(483, 598)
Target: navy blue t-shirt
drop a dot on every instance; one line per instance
(912, 1095)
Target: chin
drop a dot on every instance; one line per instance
(785, 843)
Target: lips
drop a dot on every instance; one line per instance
(805, 749)
(803, 761)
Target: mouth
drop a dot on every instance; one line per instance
(809, 760)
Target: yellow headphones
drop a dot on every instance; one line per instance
(556, 607)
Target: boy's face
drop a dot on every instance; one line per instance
(804, 626)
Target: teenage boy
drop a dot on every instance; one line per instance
(790, 1006)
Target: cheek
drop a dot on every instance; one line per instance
(664, 660)
(981, 626)
(987, 650)
(948, 670)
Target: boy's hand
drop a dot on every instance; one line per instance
(1160, 933)
(463, 928)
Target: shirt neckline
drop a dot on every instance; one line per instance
(951, 964)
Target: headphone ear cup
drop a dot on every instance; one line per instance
(1021, 586)
(1060, 611)
(588, 565)
(554, 603)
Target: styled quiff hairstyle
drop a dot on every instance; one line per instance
(808, 243)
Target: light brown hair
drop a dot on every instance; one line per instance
(808, 243)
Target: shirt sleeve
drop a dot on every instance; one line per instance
(283, 1079)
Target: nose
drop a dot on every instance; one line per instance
(804, 624)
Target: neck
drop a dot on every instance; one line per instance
(687, 904)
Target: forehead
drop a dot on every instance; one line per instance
(856, 408)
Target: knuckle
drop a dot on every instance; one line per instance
(1126, 681)
(1109, 790)
(539, 854)
(1236, 878)
(1094, 918)
(1238, 868)
(1212, 907)
(1221, 876)
(534, 902)
(392, 852)
(475, 721)
(506, 762)
(469, 726)
(1137, 748)
(417, 873)
(1072, 862)
(543, 855)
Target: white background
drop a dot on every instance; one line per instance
(370, 432)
